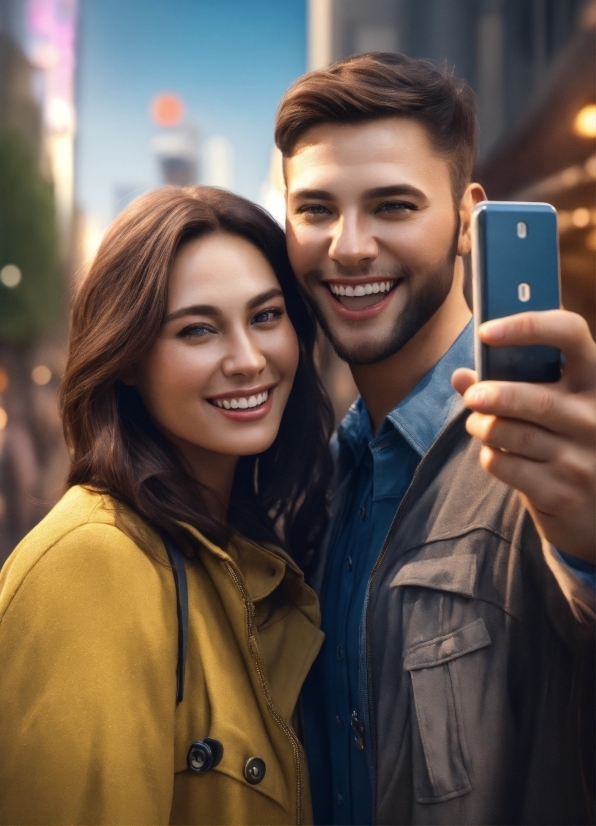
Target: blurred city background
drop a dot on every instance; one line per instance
(102, 100)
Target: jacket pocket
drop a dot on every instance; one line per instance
(440, 753)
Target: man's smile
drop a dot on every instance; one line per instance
(358, 295)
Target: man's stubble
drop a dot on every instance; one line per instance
(420, 308)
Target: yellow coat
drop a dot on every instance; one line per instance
(89, 727)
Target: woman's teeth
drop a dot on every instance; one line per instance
(361, 289)
(242, 402)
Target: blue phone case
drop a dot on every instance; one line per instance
(515, 264)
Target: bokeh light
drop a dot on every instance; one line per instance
(41, 374)
(167, 109)
(580, 217)
(3, 418)
(585, 121)
(4, 380)
(10, 275)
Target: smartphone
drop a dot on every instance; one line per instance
(515, 268)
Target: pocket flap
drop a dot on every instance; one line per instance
(446, 573)
(442, 649)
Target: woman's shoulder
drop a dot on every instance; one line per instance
(80, 538)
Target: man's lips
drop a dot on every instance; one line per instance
(360, 298)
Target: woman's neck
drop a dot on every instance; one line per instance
(214, 472)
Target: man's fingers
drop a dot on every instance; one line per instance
(520, 438)
(554, 494)
(567, 331)
(462, 379)
(543, 404)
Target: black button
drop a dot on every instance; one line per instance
(340, 653)
(254, 770)
(204, 755)
(362, 512)
(339, 799)
(349, 563)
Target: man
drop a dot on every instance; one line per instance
(450, 688)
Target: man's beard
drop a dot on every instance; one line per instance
(420, 308)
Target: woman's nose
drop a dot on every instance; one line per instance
(244, 356)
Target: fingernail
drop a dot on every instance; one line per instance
(475, 395)
(494, 330)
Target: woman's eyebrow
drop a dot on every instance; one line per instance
(194, 309)
(262, 297)
(209, 309)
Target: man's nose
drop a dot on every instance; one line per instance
(352, 241)
(244, 356)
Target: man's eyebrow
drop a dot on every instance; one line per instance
(209, 309)
(377, 192)
(394, 190)
(315, 194)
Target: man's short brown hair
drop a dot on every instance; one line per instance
(383, 85)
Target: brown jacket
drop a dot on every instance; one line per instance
(90, 731)
(480, 671)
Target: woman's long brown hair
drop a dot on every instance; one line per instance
(279, 495)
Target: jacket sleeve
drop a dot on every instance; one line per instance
(88, 685)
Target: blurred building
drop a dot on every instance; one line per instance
(37, 132)
(176, 145)
(532, 66)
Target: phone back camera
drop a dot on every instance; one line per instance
(522, 230)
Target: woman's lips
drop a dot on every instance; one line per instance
(244, 407)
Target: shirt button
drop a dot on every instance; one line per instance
(339, 799)
(340, 653)
(254, 770)
(349, 563)
(362, 512)
(338, 721)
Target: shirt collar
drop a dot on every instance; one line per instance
(424, 412)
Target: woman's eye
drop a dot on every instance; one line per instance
(266, 316)
(397, 207)
(196, 331)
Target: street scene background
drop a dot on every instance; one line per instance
(102, 100)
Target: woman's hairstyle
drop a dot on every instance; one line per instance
(382, 85)
(116, 448)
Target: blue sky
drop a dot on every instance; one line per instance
(230, 61)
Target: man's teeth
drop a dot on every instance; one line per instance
(361, 289)
(242, 402)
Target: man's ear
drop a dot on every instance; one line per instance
(473, 195)
(129, 376)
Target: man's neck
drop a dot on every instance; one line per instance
(384, 384)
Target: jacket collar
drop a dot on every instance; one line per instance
(425, 411)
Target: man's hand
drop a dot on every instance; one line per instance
(541, 438)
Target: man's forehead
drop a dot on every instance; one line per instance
(395, 147)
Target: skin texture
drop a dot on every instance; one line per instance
(538, 438)
(226, 334)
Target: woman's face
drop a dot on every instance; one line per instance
(218, 377)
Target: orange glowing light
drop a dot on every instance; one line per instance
(167, 109)
(4, 380)
(585, 121)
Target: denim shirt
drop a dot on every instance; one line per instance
(380, 470)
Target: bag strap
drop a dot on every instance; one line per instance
(176, 558)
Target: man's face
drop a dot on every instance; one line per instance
(372, 232)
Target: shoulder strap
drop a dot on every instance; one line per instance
(176, 558)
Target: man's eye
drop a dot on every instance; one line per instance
(196, 331)
(267, 316)
(397, 206)
(313, 209)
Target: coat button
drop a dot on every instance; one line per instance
(204, 755)
(254, 770)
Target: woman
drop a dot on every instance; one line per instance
(196, 423)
